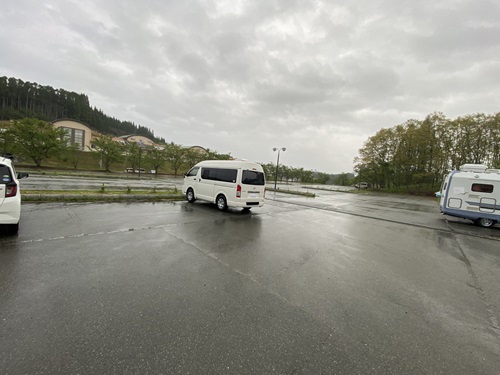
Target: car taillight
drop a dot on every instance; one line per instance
(238, 191)
(11, 191)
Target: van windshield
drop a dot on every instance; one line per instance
(253, 178)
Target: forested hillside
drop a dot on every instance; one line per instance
(20, 99)
(422, 151)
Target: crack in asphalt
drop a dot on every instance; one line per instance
(477, 285)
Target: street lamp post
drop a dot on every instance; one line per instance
(141, 145)
(277, 164)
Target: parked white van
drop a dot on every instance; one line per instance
(228, 183)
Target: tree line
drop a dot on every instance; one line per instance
(291, 174)
(420, 152)
(38, 140)
(19, 99)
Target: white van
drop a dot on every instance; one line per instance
(228, 183)
(361, 185)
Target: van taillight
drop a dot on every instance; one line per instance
(238, 191)
(11, 190)
(264, 191)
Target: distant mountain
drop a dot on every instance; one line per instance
(20, 99)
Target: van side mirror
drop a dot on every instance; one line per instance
(21, 175)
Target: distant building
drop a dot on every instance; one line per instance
(76, 133)
(198, 149)
(135, 139)
(119, 140)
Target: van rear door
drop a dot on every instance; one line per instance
(253, 183)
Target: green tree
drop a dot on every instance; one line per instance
(342, 180)
(214, 155)
(175, 156)
(269, 169)
(6, 142)
(156, 158)
(192, 157)
(322, 178)
(134, 155)
(108, 151)
(37, 140)
(75, 155)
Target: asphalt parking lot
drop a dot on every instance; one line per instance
(338, 284)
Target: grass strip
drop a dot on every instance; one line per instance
(304, 194)
(100, 196)
(101, 192)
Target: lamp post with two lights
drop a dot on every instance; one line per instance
(277, 163)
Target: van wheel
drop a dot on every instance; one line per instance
(485, 223)
(190, 195)
(221, 203)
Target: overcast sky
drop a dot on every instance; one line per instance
(242, 77)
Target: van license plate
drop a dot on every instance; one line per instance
(253, 194)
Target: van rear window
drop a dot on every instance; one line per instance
(253, 178)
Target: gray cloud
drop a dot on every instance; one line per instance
(316, 77)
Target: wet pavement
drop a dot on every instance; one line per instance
(338, 284)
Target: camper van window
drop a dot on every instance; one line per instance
(482, 188)
(218, 174)
(253, 178)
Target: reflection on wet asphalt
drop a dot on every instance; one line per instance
(338, 284)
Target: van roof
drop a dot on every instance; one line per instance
(229, 163)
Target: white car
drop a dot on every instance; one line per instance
(10, 195)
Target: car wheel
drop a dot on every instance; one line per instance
(485, 223)
(221, 203)
(190, 195)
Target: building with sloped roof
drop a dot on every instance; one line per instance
(76, 133)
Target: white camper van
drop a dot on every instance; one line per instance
(472, 192)
(228, 183)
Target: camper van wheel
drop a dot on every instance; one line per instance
(485, 223)
(221, 203)
(190, 195)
